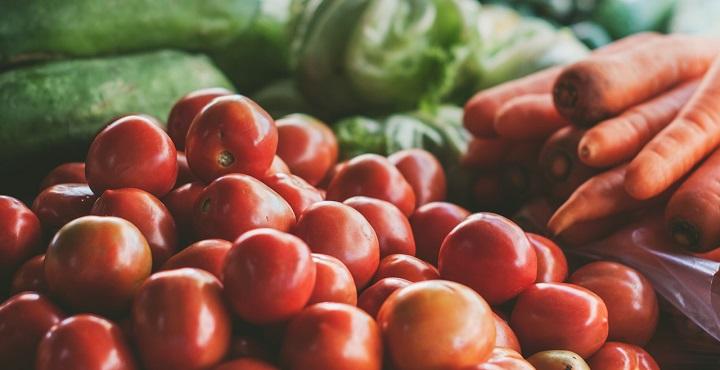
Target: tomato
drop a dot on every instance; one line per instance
(296, 191)
(503, 359)
(373, 297)
(551, 262)
(66, 173)
(20, 235)
(277, 166)
(406, 267)
(333, 281)
(231, 135)
(208, 255)
(60, 204)
(247, 346)
(373, 176)
(307, 145)
(96, 264)
(630, 299)
(430, 225)
(504, 335)
(30, 276)
(560, 316)
(24, 320)
(390, 224)
(268, 276)
(234, 204)
(423, 172)
(147, 213)
(334, 170)
(340, 231)
(436, 324)
(332, 336)
(180, 320)
(490, 254)
(622, 356)
(185, 110)
(246, 364)
(558, 360)
(180, 203)
(184, 175)
(132, 152)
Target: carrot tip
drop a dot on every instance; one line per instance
(686, 234)
(584, 152)
(560, 166)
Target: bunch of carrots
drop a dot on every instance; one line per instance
(635, 126)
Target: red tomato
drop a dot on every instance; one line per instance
(247, 346)
(333, 281)
(622, 356)
(560, 316)
(246, 364)
(147, 213)
(66, 173)
(406, 267)
(180, 320)
(505, 337)
(96, 264)
(338, 230)
(20, 234)
(423, 172)
(307, 145)
(277, 166)
(234, 204)
(30, 276)
(551, 262)
(132, 152)
(490, 254)
(629, 297)
(184, 174)
(231, 135)
(331, 174)
(373, 176)
(436, 324)
(430, 225)
(185, 110)
(208, 255)
(269, 276)
(298, 193)
(504, 359)
(180, 203)
(373, 297)
(60, 204)
(390, 224)
(332, 336)
(24, 320)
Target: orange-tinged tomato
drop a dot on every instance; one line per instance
(406, 267)
(307, 145)
(622, 356)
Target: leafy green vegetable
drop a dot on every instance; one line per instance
(624, 17)
(697, 16)
(281, 98)
(358, 135)
(591, 34)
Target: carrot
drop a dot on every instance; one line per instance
(519, 176)
(586, 232)
(485, 152)
(597, 88)
(533, 216)
(619, 139)
(691, 136)
(530, 116)
(561, 168)
(487, 191)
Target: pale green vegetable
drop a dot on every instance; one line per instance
(697, 16)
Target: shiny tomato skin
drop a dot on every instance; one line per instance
(277, 166)
(423, 172)
(373, 297)
(622, 356)
(505, 337)
(208, 255)
(60, 204)
(186, 108)
(85, 342)
(24, 320)
(147, 213)
(296, 191)
(246, 364)
(629, 297)
(406, 267)
(503, 359)
(30, 276)
(490, 254)
(307, 145)
(20, 235)
(66, 173)
(269, 276)
(180, 203)
(417, 337)
(430, 225)
(321, 337)
(232, 134)
(551, 262)
(340, 231)
(333, 281)
(180, 320)
(184, 175)
(334, 170)
(96, 264)
(560, 316)
(390, 224)
(132, 152)
(373, 176)
(234, 204)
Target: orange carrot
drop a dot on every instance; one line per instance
(519, 175)
(561, 168)
(485, 152)
(530, 116)
(691, 136)
(619, 139)
(597, 88)
(586, 232)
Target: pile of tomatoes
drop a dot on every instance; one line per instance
(236, 242)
